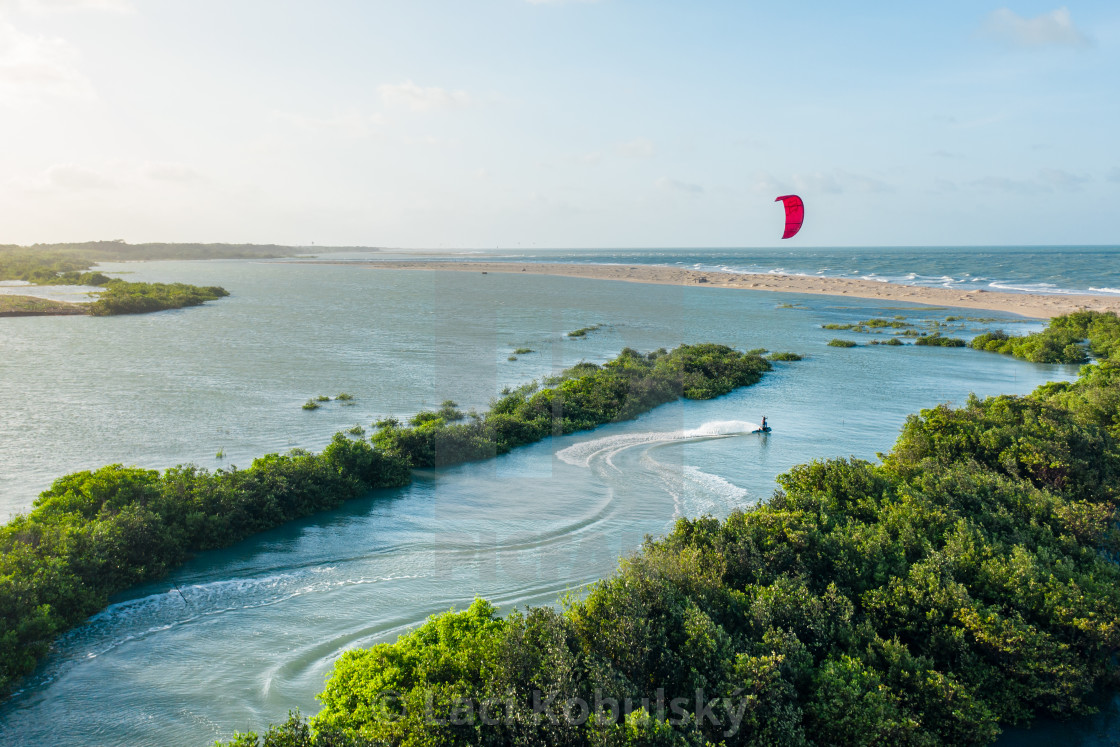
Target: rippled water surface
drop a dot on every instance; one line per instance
(236, 637)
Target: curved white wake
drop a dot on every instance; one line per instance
(694, 491)
(582, 453)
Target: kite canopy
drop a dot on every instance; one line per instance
(795, 214)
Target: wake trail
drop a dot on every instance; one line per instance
(694, 492)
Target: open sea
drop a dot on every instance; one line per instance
(236, 637)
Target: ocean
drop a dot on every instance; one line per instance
(236, 637)
(1023, 269)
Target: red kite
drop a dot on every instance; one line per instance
(795, 214)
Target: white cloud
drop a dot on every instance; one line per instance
(590, 159)
(1053, 28)
(1061, 179)
(1046, 180)
(408, 95)
(817, 182)
(679, 186)
(73, 178)
(36, 67)
(639, 148)
(171, 172)
(49, 6)
(765, 183)
(1114, 175)
(1011, 186)
(861, 182)
(351, 123)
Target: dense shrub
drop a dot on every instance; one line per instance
(1067, 339)
(966, 583)
(95, 533)
(120, 297)
(936, 340)
(581, 398)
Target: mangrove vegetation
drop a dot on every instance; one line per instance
(1071, 338)
(582, 397)
(57, 267)
(96, 533)
(966, 583)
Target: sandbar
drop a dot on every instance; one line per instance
(1034, 305)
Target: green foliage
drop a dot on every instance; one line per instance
(582, 331)
(580, 398)
(936, 340)
(868, 325)
(41, 268)
(344, 397)
(95, 533)
(1067, 339)
(120, 297)
(784, 357)
(311, 405)
(893, 341)
(523, 351)
(878, 323)
(838, 343)
(966, 583)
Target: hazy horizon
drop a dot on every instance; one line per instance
(588, 124)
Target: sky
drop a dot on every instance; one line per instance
(552, 123)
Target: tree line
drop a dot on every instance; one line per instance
(96, 533)
(966, 583)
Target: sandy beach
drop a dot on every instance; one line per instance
(1033, 305)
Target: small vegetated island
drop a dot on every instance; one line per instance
(966, 583)
(69, 264)
(1066, 339)
(96, 533)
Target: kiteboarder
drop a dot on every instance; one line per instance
(764, 426)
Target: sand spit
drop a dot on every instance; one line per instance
(1035, 305)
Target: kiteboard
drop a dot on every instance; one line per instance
(763, 429)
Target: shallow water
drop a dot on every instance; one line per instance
(236, 637)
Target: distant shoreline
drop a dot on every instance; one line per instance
(1035, 305)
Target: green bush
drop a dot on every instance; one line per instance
(838, 343)
(1066, 339)
(582, 331)
(581, 398)
(966, 583)
(95, 533)
(936, 340)
(120, 297)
